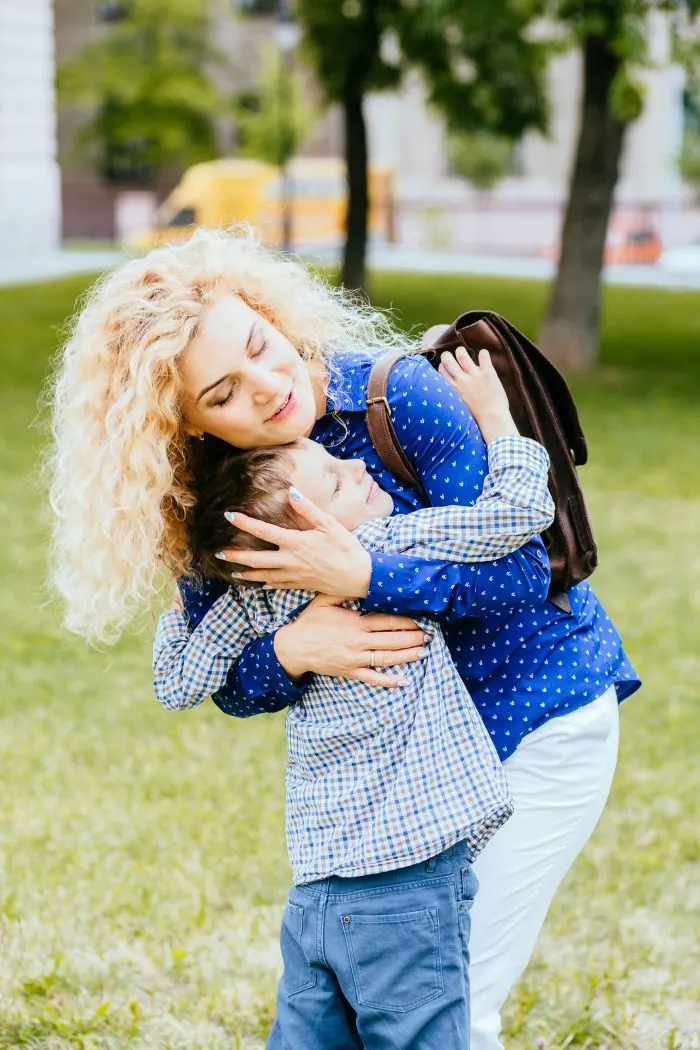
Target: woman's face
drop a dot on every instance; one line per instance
(244, 382)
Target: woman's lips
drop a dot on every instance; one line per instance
(285, 409)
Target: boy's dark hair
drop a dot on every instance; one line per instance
(255, 483)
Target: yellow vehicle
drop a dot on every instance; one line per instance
(221, 192)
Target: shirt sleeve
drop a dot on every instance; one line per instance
(443, 442)
(256, 682)
(514, 507)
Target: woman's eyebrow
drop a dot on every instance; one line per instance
(211, 386)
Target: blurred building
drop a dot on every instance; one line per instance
(434, 208)
(523, 214)
(29, 177)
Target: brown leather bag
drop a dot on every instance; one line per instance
(543, 409)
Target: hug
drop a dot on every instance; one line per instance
(449, 727)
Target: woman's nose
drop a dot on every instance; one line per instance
(266, 384)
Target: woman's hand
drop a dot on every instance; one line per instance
(321, 556)
(327, 639)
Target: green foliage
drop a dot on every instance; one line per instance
(275, 119)
(627, 95)
(343, 42)
(143, 861)
(688, 53)
(689, 160)
(483, 159)
(484, 70)
(624, 25)
(145, 80)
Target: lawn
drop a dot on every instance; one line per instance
(142, 865)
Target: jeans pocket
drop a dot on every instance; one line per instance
(468, 885)
(395, 958)
(298, 973)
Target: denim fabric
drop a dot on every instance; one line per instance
(379, 962)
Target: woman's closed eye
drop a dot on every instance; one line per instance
(263, 346)
(224, 400)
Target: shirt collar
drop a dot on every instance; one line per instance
(347, 383)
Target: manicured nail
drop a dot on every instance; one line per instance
(221, 556)
(422, 653)
(295, 494)
(401, 682)
(230, 516)
(427, 638)
(236, 576)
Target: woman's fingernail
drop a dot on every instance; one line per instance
(295, 494)
(230, 516)
(400, 682)
(427, 638)
(236, 576)
(221, 556)
(422, 653)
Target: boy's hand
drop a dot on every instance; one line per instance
(481, 390)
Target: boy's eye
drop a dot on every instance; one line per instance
(337, 487)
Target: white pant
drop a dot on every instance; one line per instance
(560, 778)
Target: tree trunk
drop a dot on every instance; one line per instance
(354, 253)
(570, 335)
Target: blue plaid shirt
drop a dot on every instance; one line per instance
(523, 661)
(378, 779)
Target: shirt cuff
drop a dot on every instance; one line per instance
(515, 450)
(259, 671)
(172, 628)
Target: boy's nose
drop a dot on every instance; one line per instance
(358, 468)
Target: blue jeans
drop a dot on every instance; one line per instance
(378, 962)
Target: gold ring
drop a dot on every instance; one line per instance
(372, 658)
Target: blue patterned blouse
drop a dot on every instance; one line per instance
(523, 663)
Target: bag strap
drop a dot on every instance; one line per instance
(381, 426)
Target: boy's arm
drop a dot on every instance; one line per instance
(256, 683)
(443, 442)
(188, 666)
(515, 505)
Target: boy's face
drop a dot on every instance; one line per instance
(340, 487)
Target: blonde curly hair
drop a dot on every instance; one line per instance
(120, 461)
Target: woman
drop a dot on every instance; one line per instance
(219, 339)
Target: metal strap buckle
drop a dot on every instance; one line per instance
(376, 400)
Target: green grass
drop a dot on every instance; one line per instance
(142, 865)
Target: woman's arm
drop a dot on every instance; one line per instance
(445, 445)
(272, 671)
(514, 507)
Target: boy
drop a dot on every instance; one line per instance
(390, 794)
